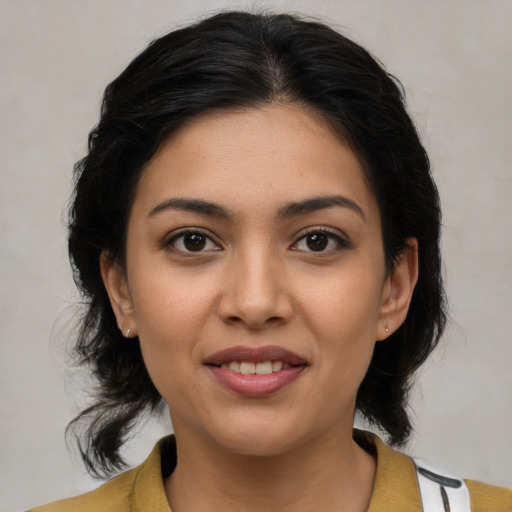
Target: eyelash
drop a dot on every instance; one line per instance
(341, 242)
(171, 242)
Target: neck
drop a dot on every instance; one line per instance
(331, 472)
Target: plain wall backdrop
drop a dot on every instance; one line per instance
(56, 56)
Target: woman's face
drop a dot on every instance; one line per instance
(255, 279)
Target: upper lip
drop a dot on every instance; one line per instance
(254, 355)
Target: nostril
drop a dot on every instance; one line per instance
(257, 309)
(251, 324)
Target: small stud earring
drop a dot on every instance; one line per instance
(127, 333)
(386, 329)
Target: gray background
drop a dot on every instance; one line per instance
(56, 56)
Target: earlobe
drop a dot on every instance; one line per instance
(398, 290)
(114, 280)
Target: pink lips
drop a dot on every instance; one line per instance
(254, 385)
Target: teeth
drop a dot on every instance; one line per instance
(277, 365)
(264, 368)
(248, 368)
(234, 366)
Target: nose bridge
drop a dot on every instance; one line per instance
(256, 292)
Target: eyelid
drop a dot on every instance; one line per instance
(341, 239)
(170, 239)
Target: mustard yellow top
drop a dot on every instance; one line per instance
(396, 489)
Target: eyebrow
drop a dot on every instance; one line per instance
(289, 210)
(192, 205)
(319, 203)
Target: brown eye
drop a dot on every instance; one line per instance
(317, 241)
(194, 242)
(321, 241)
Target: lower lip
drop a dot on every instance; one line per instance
(256, 385)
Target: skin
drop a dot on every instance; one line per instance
(257, 282)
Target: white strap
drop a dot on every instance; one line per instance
(441, 493)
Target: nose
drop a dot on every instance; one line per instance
(255, 293)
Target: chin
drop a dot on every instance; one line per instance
(258, 438)
(258, 446)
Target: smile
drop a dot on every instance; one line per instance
(255, 372)
(249, 368)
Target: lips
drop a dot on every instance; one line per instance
(255, 372)
(254, 355)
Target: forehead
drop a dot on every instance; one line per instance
(271, 155)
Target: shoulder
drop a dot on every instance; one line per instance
(485, 497)
(114, 495)
(140, 488)
(397, 483)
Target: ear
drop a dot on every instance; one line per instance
(397, 291)
(115, 282)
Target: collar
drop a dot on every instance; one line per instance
(147, 492)
(395, 486)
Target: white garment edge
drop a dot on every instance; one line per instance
(431, 493)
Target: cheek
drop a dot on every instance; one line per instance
(169, 323)
(169, 303)
(170, 314)
(343, 314)
(346, 305)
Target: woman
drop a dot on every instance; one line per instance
(256, 230)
